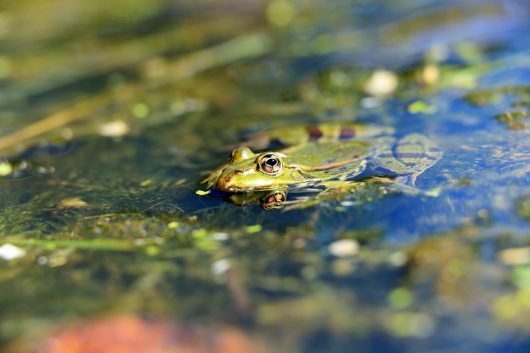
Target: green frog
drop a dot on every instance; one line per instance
(319, 161)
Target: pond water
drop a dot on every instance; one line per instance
(112, 112)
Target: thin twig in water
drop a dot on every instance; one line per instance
(54, 121)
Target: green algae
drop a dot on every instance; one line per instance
(523, 207)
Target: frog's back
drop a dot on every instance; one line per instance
(326, 161)
(322, 133)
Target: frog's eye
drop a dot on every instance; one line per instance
(270, 164)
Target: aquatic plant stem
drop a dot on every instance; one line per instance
(54, 121)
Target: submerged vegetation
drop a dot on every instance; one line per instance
(113, 112)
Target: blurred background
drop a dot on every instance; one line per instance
(111, 112)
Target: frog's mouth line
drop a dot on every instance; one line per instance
(240, 190)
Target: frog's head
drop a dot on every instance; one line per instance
(247, 172)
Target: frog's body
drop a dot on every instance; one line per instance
(326, 132)
(320, 164)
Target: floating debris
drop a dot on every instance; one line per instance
(72, 202)
(256, 228)
(280, 13)
(140, 110)
(397, 259)
(221, 236)
(220, 268)
(344, 248)
(410, 324)
(173, 225)
(400, 298)
(10, 252)
(114, 128)
(381, 83)
(430, 74)
(421, 107)
(515, 256)
(5, 168)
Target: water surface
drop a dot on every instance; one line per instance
(139, 100)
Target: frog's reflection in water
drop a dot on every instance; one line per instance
(268, 200)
